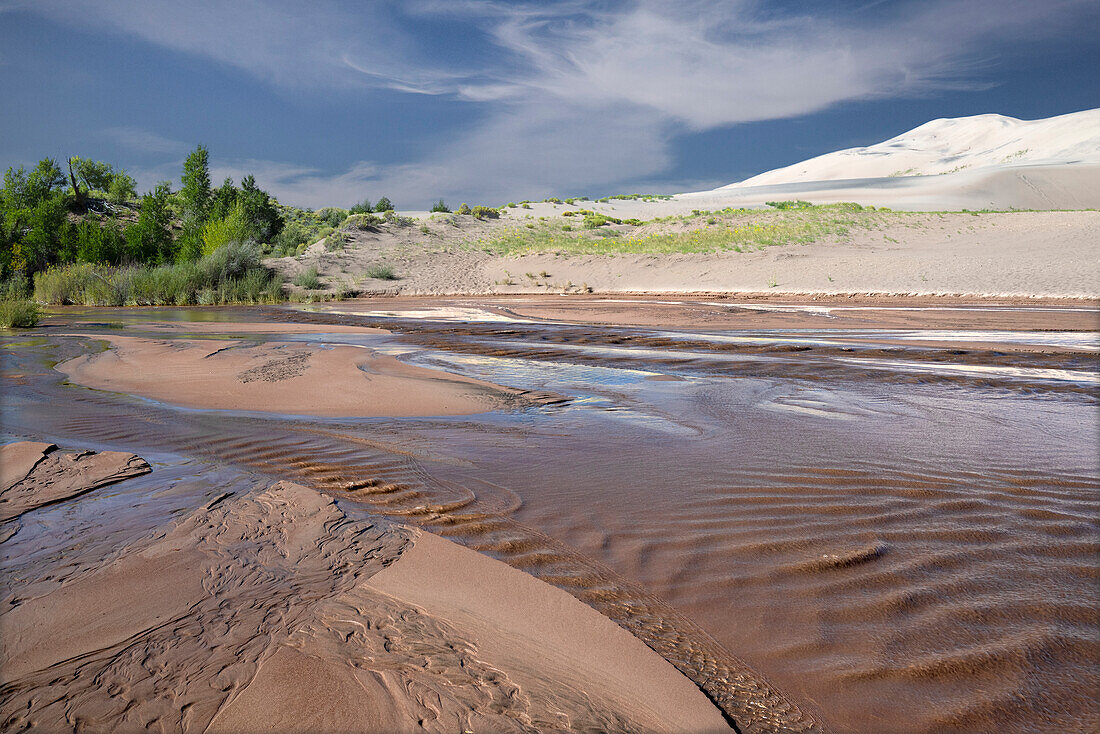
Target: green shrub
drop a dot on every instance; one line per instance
(16, 288)
(18, 314)
(308, 279)
(331, 215)
(392, 217)
(230, 274)
(552, 200)
(292, 235)
(380, 271)
(364, 221)
(797, 204)
(122, 188)
(336, 241)
(220, 232)
(384, 205)
(485, 212)
(463, 209)
(363, 207)
(593, 221)
(440, 207)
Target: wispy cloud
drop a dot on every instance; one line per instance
(143, 141)
(576, 95)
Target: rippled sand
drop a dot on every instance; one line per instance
(872, 516)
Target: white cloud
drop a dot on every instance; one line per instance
(577, 96)
(143, 141)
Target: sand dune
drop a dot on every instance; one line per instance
(1064, 186)
(954, 144)
(979, 162)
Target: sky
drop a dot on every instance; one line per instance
(328, 103)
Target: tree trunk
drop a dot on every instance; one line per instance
(81, 197)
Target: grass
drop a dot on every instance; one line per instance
(739, 230)
(380, 271)
(308, 279)
(230, 274)
(18, 314)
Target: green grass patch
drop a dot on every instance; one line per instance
(380, 271)
(308, 279)
(18, 314)
(230, 274)
(739, 230)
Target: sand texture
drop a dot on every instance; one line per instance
(280, 377)
(34, 474)
(258, 613)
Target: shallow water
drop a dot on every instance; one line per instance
(853, 525)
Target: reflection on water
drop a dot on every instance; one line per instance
(898, 537)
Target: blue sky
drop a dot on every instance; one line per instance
(480, 101)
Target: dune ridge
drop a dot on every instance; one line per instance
(947, 145)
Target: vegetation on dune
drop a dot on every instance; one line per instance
(739, 230)
(380, 271)
(308, 279)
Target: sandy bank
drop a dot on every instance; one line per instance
(277, 611)
(280, 377)
(1008, 254)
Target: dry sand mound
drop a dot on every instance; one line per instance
(276, 611)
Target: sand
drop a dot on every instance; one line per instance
(953, 144)
(33, 474)
(276, 611)
(281, 377)
(1019, 254)
(1049, 254)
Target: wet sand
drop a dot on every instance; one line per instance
(877, 515)
(277, 611)
(33, 474)
(279, 377)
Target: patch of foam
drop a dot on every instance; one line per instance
(437, 313)
(1035, 373)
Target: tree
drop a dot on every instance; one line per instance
(93, 174)
(363, 207)
(260, 213)
(32, 217)
(440, 207)
(122, 188)
(384, 205)
(195, 194)
(149, 240)
(223, 200)
(24, 190)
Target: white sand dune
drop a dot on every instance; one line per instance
(954, 144)
(983, 161)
